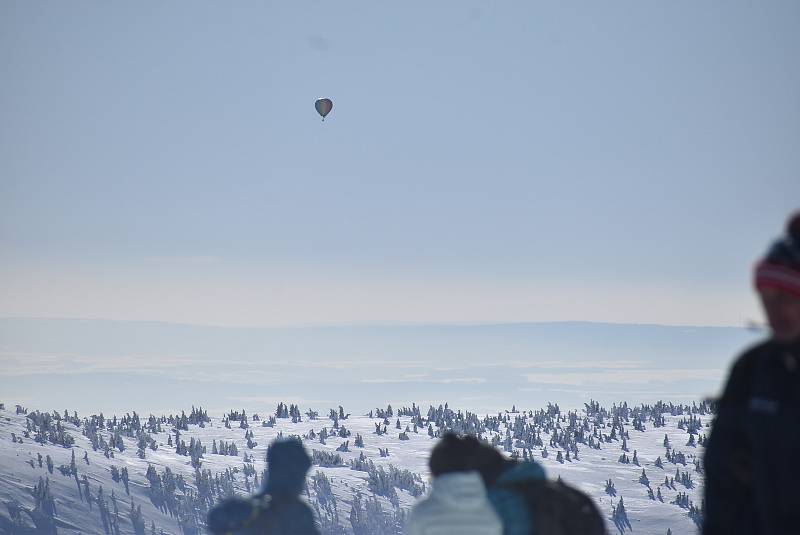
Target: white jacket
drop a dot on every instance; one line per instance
(457, 505)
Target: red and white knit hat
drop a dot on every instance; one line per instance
(780, 269)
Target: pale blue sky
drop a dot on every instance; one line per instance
(615, 161)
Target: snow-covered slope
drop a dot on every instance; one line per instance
(363, 477)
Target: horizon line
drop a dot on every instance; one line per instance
(748, 325)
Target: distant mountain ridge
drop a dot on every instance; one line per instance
(485, 365)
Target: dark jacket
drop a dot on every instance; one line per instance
(277, 509)
(751, 461)
(262, 515)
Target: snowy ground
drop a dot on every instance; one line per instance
(20, 470)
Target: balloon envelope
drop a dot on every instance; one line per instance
(324, 106)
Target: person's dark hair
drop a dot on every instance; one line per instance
(449, 455)
(490, 463)
(461, 454)
(287, 464)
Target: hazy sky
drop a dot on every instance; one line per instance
(611, 161)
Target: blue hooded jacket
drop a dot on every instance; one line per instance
(511, 506)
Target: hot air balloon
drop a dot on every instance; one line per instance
(324, 106)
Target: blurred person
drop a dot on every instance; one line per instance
(277, 509)
(528, 503)
(518, 491)
(457, 503)
(751, 464)
(505, 481)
